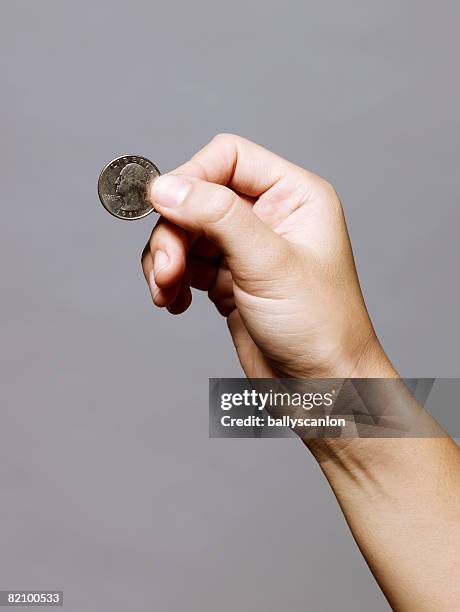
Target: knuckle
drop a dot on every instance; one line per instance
(327, 190)
(221, 205)
(323, 191)
(226, 138)
(211, 204)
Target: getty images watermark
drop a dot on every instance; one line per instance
(315, 408)
(275, 400)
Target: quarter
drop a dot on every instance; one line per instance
(124, 185)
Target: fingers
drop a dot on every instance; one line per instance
(197, 272)
(205, 273)
(170, 271)
(238, 163)
(168, 248)
(216, 213)
(251, 248)
(182, 302)
(160, 296)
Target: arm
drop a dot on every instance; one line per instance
(401, 500)
(268, 241)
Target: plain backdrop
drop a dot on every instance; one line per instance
(110, 487)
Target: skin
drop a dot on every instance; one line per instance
(268, 241)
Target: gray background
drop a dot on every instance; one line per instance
(110, 487)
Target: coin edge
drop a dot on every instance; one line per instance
(99, 187)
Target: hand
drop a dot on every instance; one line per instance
(268, 241)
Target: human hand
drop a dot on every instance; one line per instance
(268, 241)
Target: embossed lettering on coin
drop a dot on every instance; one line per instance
(124, 185)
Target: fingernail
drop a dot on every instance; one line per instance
(154, 289)
(170, 190)
(160, 261)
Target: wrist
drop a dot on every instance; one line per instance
(359, 457)
(365, 360)
(372, 361)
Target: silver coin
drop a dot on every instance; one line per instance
(124, 185)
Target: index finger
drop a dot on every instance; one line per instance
(237, 163)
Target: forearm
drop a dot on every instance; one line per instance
(401, 499)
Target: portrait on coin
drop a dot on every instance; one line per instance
(131, 187)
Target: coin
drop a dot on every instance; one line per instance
(124, 185)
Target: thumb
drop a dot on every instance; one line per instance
(252, 250)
